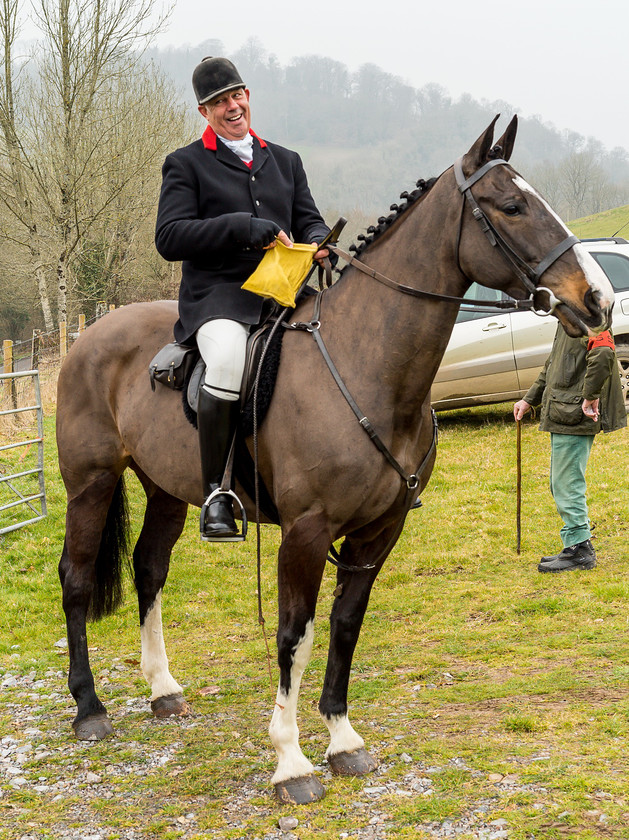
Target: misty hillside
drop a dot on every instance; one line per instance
(365, 136)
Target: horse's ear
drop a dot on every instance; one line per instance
(478, 154)
(507, 141)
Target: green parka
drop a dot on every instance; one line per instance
(571, 374)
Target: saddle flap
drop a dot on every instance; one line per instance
(255, 346)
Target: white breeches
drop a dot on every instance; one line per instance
(223, 346)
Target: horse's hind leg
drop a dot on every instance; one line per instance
(90, 583)
(301, 562)
(346, 753)
(163, 523)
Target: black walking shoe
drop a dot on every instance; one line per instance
(577, 557)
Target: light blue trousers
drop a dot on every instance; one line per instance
(568, 461)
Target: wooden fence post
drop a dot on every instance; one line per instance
(81, 324)
(63, 339)
(7, 352)
(35, 343)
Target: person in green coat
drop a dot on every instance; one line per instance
(580, 395)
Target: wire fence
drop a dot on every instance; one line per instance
(43, 347)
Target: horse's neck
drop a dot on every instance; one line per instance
(395, 339)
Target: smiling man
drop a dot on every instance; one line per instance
(225, 199)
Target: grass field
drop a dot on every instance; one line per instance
(607, 223)
(490, 694)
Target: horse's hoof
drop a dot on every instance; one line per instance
(93, 728)
(356, 763)
(300, 791)
(171, 704)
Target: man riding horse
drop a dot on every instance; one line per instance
(224, 200)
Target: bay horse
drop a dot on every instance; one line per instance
(327, 479)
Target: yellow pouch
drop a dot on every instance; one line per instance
(281, 272)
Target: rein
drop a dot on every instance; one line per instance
(528, 276)
(422, 293)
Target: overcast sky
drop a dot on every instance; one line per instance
(564, 60)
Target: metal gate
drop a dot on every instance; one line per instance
(34, 503)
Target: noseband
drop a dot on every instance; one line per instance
(529, 277)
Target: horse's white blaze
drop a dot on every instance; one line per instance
(284, 732)
(343, 738)
(154, 662)
(596, 278)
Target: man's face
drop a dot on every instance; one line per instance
(229, 114)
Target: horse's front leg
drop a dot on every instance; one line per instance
(163, 523)
(346, 753)
(301, 561)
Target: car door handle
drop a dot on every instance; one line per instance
(494, 326)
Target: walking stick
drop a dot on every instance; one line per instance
(519, 481)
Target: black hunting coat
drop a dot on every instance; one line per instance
(207, 199)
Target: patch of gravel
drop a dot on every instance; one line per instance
(40, 707)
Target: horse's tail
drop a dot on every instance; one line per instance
(113, 555)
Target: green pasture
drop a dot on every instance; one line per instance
(488, 692)
(607, 223)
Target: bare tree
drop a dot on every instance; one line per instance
(16, 173)
(74, 157)
(547, 180)
(578, 172)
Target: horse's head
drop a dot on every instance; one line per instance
(521, 245)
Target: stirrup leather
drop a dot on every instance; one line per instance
(243, 514)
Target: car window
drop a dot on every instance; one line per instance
(616, 267)
(478, 292)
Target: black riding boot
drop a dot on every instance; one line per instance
(216, 420)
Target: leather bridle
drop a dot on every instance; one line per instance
(528, 276)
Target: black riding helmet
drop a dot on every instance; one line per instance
(214, 76)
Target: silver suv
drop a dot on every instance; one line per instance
(496, 357)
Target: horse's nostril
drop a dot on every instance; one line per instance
(593, 301)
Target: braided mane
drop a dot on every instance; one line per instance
(385, 222)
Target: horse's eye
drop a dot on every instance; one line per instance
(512, 210)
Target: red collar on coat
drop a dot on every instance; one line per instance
(209, 138)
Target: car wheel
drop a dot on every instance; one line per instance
(622, 353)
